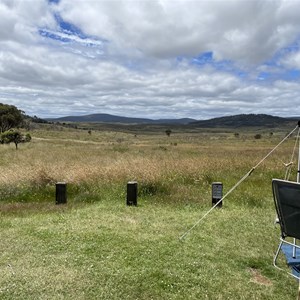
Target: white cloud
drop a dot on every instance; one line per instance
(136, 57)
(292, 61)
(19, 19)
(249, 31)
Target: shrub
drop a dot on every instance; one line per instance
(168, 132)
(14, 136)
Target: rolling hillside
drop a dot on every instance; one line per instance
(107, 118)
(235, 121)
(245, 120)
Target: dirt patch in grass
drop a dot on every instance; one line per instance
(258, 278)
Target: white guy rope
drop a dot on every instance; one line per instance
(236, 185)
(289, 165)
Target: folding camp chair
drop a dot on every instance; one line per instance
(287, 203)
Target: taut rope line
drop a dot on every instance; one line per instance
(237, 184)
(289, 165)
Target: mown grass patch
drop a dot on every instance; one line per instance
(135, 252)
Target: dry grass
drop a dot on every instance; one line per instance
(76, 160)
(112, 158)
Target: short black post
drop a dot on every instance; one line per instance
(132, 193)
(217, 193)
(61, 193)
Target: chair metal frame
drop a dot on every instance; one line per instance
(286, 231)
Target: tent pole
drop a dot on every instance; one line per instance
(298, 180)
(298, 171)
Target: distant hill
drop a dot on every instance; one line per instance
(106, 118)
(235, 121)
(244, 120)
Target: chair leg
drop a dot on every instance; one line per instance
(294, 249)
(276, 255)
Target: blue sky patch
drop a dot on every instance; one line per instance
(291, 75)
(69, 28)
(207, 59)
(203, 58)
(73, 39)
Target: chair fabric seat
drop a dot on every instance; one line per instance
(286, 196)
(287, 202)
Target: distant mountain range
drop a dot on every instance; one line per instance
(106, 118)
(236, 121)
(246, 120)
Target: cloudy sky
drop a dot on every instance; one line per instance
(150, 58)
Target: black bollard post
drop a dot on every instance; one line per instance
(61, 193)
(132, 193)
(217, 193)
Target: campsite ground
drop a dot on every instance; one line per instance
(96, 247)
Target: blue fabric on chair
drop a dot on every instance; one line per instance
(293, 263)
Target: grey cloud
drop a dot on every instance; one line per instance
(249, 31)
(136, 72)
(292, 60)
(19, 20)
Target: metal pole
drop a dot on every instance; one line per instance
(298, 171)
(298, 180)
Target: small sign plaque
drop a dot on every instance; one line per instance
(217, 193)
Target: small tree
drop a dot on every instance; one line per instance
(13, 136)
(168, 132)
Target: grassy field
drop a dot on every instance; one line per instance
(96, 247)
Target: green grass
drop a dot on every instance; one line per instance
(96, 247)
(106, 250)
